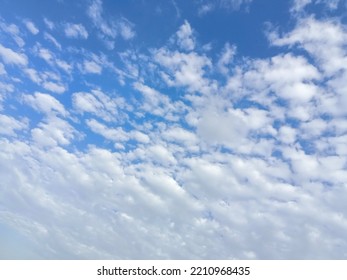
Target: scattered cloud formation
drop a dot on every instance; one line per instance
(109, 28)
(169, 149)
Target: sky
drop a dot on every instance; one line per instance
(173, 129)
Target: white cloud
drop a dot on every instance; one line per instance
(11, 57)
(50, 24)
(300, 5)
(185, 37)
(126, 29)
(100, 104)
(110, 29)
(205, 8)
(50, 38)
(263, 139)
(226, 58)
(114, 134)
(31, 27)
(33, 75)
(234, 4)
(161, 154)
(316, 37)
(92, 67)
(14, 32)
(184, 69)
(64, 65)
(54, 87)
(8, 125)
(53, 131)
(76, 31)
(45, 54)
(86, 102)
(45, 103)
(95, 13)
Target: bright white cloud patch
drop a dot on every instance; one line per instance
(73, 30)
(92, 67)
(179, 140)
(11, 57)
(185, 37)
(31, 27)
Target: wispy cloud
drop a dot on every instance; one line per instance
(31, 27)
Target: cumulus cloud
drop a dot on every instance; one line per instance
(311, 33)
(92, 67)
(11, 57)
(31, 27)
(76, 31)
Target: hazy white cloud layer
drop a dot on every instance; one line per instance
(194, 156)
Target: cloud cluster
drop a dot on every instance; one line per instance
(193, 156)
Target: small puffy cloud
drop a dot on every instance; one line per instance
(92, 67)
(76, 31)
(2, 69)
(53, 131)
(234, 4)
(126, 29)
(180, 134)
(33, 75)
(64, 65)
(86, 102)
(45, 103)
(8, 125)
(226, 58)
(11, 57)
(31, 27)
(54, 87)
(50, 38)
(114, 134)
(184, 69)
(185, 38)
(45, 54)
(205, 8)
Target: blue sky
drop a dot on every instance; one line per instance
(173, 129)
